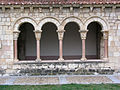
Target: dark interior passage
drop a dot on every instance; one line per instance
(72, 46)
(26, 42)
(49, 42)
(93, 41)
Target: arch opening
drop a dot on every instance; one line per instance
(49, 42)
(94, 41)
(26, 42)
(72, 42)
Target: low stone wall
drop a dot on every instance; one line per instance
(57, 68)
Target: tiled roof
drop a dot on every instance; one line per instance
(59, 2)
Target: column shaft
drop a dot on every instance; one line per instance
(106, 48)
(83, 34)
(38, 37)
(15, 49)
(83, 50)
(60, 37)
(60, 50)
(15, 37)
(105, 37)
(38, 49)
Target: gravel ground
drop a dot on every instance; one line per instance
(89, 79)
(65, 79)
(37, 80)
(117, 77)
(3, 80)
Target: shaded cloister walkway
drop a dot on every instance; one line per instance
(94, 41)
(49, 42)
(72, 42)
(57, 41)
(26, 42)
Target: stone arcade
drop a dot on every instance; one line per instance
(49, 37)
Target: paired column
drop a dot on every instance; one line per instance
(83, 34)
(105, 37)
(38, 37)
(60, 37)
(15, 37)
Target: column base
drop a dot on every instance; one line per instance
(105, 59)
(38, 60)
(83, 59)
(60, 59)
(16, 60)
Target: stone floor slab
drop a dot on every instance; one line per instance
(36, 80)
(59, 79)
(115, 79)
(3, 80)
(62, 80)
(89, 79)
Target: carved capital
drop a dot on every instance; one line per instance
(83, 33)
(15, 35)
(105, 34)
(60, 34)
(38, 34)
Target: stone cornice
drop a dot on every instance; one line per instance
(50, 7)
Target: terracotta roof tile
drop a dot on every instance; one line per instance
(59, 2)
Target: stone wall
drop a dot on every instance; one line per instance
(61, 68)
(10, 20)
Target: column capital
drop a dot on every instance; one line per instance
(15, 34)
(38, 34)
(60, 31)
(60, 34)
(39, 31)
(105, 34)
(83, 33)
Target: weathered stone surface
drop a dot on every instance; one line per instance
(36, 80)
(10, 21)
(3, 80)
(87, 79)
(78, 68)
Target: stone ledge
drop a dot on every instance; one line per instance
(65, 61)
(61, 68)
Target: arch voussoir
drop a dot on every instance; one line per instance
(101, 21)
(22, 20)
(46, 20)
(72, 19)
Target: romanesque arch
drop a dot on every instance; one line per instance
(46, 20)
(94, 40)
(49, 38)
(72, 19)
(24, 20)
(97, 37)
(17, 33)
(97, 19)
(72, 40)
(26, 42)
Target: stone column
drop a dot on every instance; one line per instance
(60, 37)
(38, 37)
(83, 34)
(105, 37)
(15, 37)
